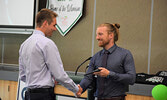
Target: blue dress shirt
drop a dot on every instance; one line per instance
(120, 63)
(40, 63)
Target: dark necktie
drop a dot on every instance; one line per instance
(102, 79)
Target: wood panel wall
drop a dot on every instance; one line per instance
(8, 91)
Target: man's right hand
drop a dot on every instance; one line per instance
(78, 94)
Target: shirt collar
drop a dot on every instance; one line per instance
(110, 49)
(38, 32)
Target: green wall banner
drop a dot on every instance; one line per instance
(69, 12)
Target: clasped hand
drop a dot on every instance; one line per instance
(103, 73)
(78, 94)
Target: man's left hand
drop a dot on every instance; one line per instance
(103, 73)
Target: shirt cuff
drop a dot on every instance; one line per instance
(111, 74)
(76, 89)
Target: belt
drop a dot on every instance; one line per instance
(113, 98)
(40, 90)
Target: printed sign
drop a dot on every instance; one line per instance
(69, 12)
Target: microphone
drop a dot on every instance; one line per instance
(81, 64)
(96, 70)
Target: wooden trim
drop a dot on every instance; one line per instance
(63, 91)
(138, 97)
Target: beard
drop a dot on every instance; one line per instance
(103, 43)
(49, 34)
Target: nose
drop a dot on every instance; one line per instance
(97, 37)
(55, 29)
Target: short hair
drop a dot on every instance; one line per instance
(112, 28)
(45, 14)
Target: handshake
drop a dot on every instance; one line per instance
(78, 94)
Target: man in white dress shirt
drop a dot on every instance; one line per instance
(40, 63)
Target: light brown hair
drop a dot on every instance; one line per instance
(112, 28)
(45, 14)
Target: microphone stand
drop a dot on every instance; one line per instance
(81, 64)
(93, 86)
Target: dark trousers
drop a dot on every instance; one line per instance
(40, 94)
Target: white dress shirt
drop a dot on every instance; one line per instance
(40, 63)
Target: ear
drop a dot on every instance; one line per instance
(45, 23)
(111, 35)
